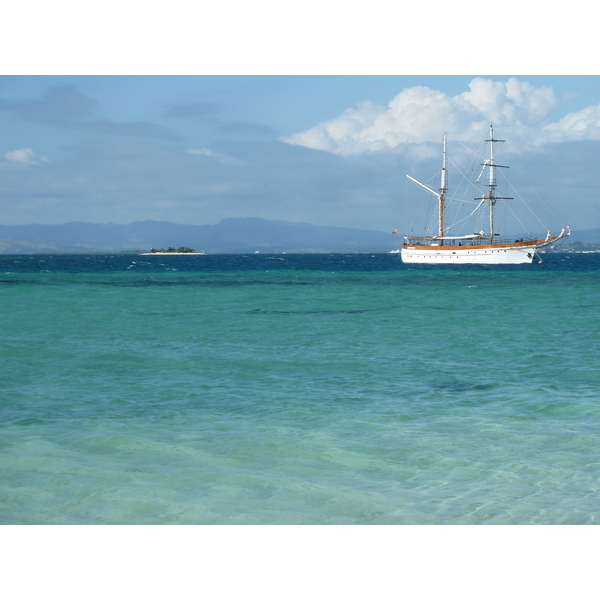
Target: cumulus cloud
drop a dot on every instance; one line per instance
(24, 157)
(419, 115)
(577, 126)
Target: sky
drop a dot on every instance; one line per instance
(305, 140)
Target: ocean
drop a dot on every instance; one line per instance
(313, 389)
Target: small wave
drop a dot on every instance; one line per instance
(462, 386)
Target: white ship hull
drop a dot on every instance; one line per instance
(500, 255)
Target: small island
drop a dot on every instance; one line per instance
(171, 250)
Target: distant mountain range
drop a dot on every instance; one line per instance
(230, 236)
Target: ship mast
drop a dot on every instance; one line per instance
(442, 196)
(491, 184)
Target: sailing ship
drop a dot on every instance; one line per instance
(483, 247)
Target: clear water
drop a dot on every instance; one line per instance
(298, 389)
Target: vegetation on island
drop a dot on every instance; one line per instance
(170, 249)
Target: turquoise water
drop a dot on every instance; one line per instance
(289, 389)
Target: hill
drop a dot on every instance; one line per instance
(230, 236)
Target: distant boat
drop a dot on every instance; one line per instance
(482, 247)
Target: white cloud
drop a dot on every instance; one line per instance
(204, 151)
(223, 158)
(25, 157)
(580, 125)
(419, 115)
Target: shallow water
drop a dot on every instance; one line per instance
(308, 389)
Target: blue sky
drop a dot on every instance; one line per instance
(267, 128)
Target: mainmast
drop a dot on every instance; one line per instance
(491, 184)
(442, 196)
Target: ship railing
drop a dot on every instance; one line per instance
(419, 241)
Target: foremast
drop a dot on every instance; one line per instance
(442, 196)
